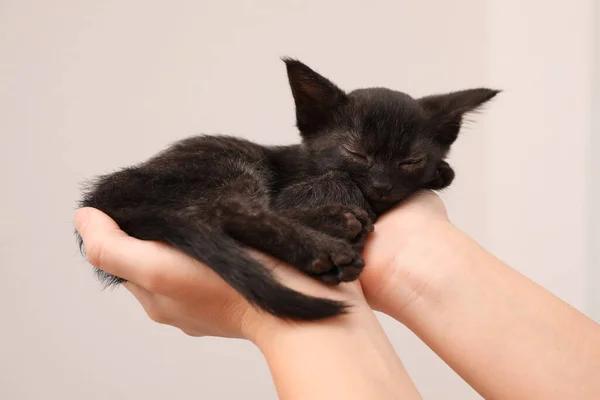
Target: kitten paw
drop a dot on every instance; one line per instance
(340, 264)
(349, 223)
(344, 222)
(444, 175)
(359, 225)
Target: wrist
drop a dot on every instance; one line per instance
(407, 263)
(346, 357)
(270, 333)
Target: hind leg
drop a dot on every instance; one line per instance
(330, 203)
(327, 258)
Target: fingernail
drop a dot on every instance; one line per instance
(81, 218)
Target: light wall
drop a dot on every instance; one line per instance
(593, 242)
(537, 140)
(87, 87)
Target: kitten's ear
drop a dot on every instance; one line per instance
(446, 111)
(315, 96)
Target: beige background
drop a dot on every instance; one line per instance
(90, 86)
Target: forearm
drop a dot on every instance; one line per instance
(346, 358)
(506, 336)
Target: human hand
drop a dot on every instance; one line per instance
(398, 252)
(177, 290)
(469, 308)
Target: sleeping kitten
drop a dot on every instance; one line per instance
(310, 205)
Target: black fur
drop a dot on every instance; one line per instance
(310, 205)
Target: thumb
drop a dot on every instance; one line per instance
(87, 217)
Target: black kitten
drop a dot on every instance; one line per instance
(310, 205)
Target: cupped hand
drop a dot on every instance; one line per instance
(177, 290)
(404, 240)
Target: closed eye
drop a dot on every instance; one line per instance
(357, 154)
(411, 162)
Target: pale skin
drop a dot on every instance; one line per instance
(506, 336)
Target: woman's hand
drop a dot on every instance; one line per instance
(397, 251)
(503, 334)
(345, 357)
(177, 290)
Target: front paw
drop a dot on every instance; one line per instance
(444, 175)
(345, 222)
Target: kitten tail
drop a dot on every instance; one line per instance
(224, 256)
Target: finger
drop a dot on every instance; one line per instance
(149, 264)
(107, 247)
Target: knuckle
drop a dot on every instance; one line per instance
(96, 253)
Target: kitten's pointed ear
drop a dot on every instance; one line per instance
(446, 111)
(316, 97)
